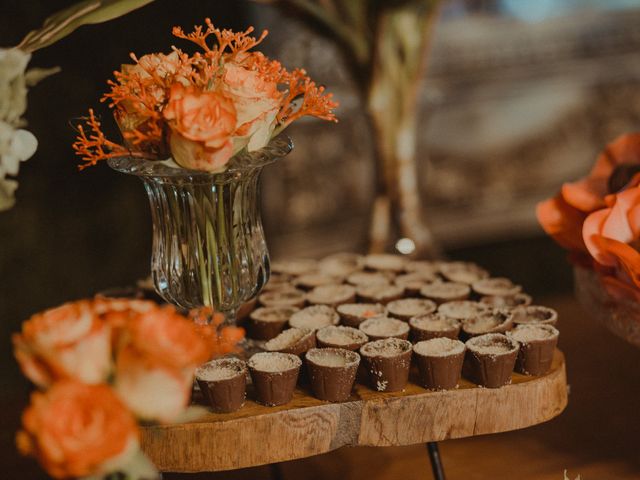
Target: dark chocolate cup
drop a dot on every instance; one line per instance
(260, 329)
(491, 370)
(441, 292)
(331, 295)
(359, 339)
(535, 314)
(421, 333)
(282, 298)
(403, 334)
(332, 383)
(351, 320)
(439, 372)
(387, 373)
(535, 356)
(274, 388)
(379, 293)
(228, 394)
(424, 306)
(503, 316)
(300, 347)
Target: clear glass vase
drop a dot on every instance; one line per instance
(209, 248)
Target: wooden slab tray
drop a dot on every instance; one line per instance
(257, 435)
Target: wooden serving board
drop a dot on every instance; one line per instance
(257, 435)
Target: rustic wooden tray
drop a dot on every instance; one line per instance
(257, 435)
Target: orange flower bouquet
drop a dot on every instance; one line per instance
(198, 129)
(204, 108)
(101, 366)
(597, 219)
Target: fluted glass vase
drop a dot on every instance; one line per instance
(209, 248)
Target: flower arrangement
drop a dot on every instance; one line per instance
(597, 218)
(204, 108)
(101, 366)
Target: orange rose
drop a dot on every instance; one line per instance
(168, 338)
(154, 371)
(118, 312)
(618, 161)
(612, 235)
(69, 341)
(562, 222)
(75, 430)
(257, 102)
(151, 389)
(620, 222)
(201, 124)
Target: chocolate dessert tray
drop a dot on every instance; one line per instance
(319, 325)
(257, 435)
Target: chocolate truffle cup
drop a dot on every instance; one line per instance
(518, 300)
(266, 323)
(384, 327)
(312, 280)
(226, 394)
(497, 286)
(439, 370)
(387, 363)
(493, 321)
(341, 264)
(463, 309)
(433, 325)
(274, 385)
(441, 292)
(462, 272)
(332, 295)
(535, 314)
(332, 380)
(301, 341)
(490, 360)
(347, 338)
(314, 317)
(353, 314)
(537, 345)
(407, 308)
(282, 298)
(379, 293)
(385, 262)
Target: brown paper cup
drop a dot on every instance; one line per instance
(332, 372)
(274, 385)
(387, 362)
(226, 394)
(486, 367)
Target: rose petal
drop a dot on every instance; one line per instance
(562, 222)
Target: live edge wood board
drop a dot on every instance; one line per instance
(257, 435)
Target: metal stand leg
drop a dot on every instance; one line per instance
(276, 471)
(436, 461)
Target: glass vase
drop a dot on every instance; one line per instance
(208, 248)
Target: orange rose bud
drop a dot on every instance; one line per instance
(75, 430)
(201, 123)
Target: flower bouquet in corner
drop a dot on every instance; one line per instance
(104, 366)
(597, 219)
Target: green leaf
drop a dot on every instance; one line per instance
(62, 23)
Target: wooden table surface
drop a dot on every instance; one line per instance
(257, 435)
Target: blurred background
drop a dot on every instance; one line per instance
(518, 97)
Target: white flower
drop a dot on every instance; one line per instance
(16, 144)
(13, 85)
